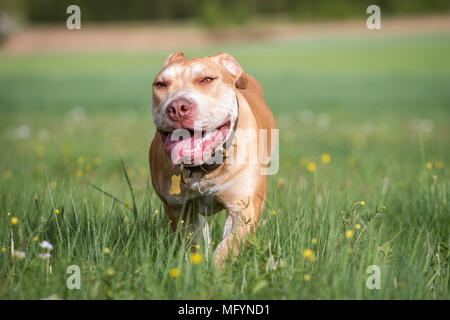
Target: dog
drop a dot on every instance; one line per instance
(213, 99)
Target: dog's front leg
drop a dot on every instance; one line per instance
(237, 226)
(192, 224)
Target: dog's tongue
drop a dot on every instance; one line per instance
(192, 149)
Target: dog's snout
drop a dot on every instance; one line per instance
(179, 109)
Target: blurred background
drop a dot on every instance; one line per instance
(332, 83)
(363, 115)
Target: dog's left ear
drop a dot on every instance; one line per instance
(233, 67)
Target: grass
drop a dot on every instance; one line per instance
(378, 107)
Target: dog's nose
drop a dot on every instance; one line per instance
(179, 109)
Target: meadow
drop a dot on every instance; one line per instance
(363, 179)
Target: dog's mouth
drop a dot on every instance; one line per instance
(193, 147)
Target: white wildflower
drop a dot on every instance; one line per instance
(19, 254)
(44, 256)
(46, 245)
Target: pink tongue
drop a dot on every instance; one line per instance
(191, 150)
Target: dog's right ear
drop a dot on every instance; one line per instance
(174, 57)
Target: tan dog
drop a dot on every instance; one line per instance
(213, 97)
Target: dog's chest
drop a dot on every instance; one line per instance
(200, 191)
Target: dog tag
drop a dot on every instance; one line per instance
(175, 187)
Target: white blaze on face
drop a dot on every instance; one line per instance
(215, 103)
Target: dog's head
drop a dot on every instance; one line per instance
(196, 95)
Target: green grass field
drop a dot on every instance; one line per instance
(379, 107)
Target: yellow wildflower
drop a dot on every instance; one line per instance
(306, 277)
(429, 165)
(326, 158)
(106, 251)
(311, 167)
(273, 212)
(281, 182)
(363, 203)
(56, 211)
(357, 226)
(196, 258)
(110, 272)
(438, 164)
(309, 254)
(127, 204)
(79, 173)
(314, 241)
(349, 234)
(14, 221)
(35, 239)
(174, 272)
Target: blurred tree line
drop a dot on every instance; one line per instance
(212, 13)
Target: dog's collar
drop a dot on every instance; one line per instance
(186, 171)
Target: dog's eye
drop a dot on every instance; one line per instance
(160, 84)
(206, 79)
